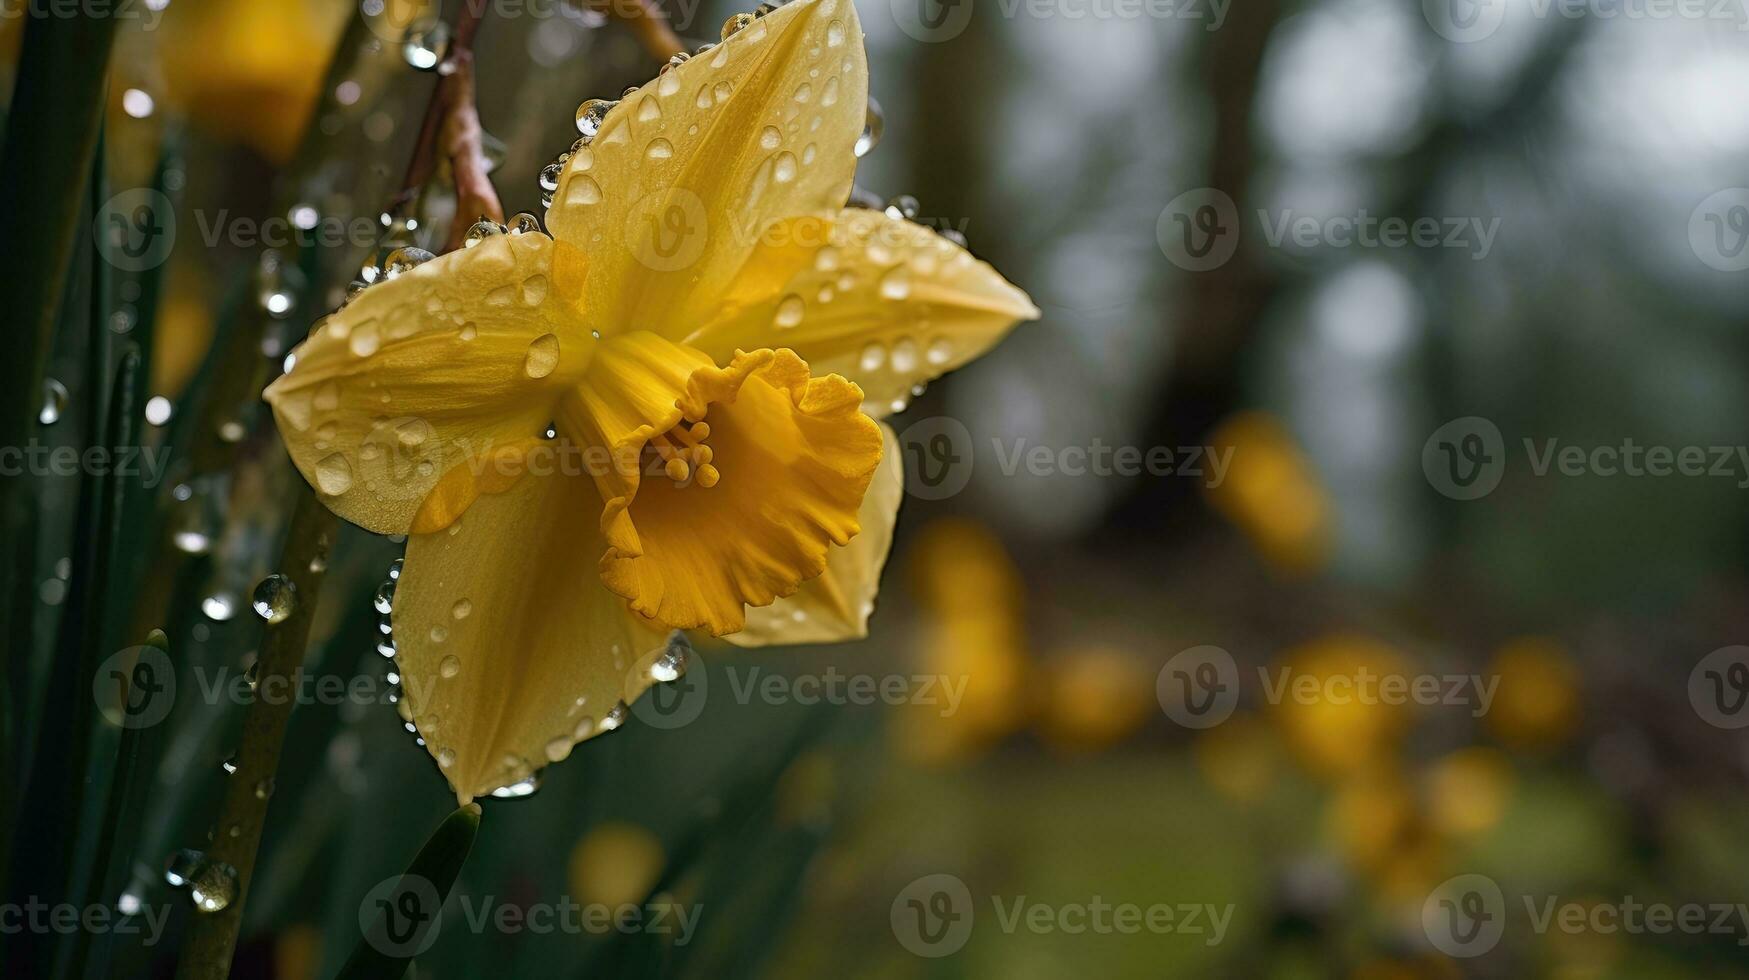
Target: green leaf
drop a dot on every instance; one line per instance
(408, 907)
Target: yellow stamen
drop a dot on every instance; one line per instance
(708, 476)
(681, 449)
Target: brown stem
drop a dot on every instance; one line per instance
(212, 936)
(463, 145)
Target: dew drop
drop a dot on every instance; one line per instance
(276, 598)
(905, 356)
(462, 608)
(543, 356)
(519, 789)
(219, 607)
(439, 634)
(896, 284)
(54, 402)
(614, 718)
(468, 331)
(583, 190)
(425, 44)
(557, 749)
(334, 475)
(789, 312)
(873, 124)
(873, 356)
(446, 757)
(213, 887)
(770, 138)
(835, 34)
(450, 666)
(659, 149)
(784, 168)
(589, 116)
(182, 866)
(940, 351)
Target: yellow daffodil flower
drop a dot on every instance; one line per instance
(707, 332)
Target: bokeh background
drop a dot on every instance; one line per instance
(1071, 144)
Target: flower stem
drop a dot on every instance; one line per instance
(212, 936)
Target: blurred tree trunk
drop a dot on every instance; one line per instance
(1214, 323)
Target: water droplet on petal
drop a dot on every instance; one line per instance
(770, 138)
(449, 666)
(543, 356)
(872, 126)
(425, 44)
(590, 114)
(659, 149)
(462, 608)
(789, 312)
(557, 749)
(334, 475)
(896, 284)
(517, 790)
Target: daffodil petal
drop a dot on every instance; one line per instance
(424, 372)
(510, 649)
(836, 606)
(791, 457)
(684, 174)
(885, 302)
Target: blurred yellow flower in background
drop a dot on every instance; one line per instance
(615, 863)
(1092, 697)
(973, 632)
(1537, 706)
(1337, 731)
(1272, 492)
(1241, 757)
(1468, 791)
(249, 71)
